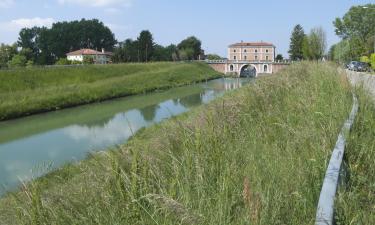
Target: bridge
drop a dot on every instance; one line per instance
(246, 68)
(249, 59)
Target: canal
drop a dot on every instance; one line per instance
(35, 145)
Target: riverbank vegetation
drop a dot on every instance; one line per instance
(34, 90)
(356, 201)
(257, 155)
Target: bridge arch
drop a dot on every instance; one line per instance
(248, 70)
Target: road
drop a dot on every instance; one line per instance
(365, 79)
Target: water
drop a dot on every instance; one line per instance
(31, 146)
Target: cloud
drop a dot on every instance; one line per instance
(6, 3)
(98, 3)
(36, 21)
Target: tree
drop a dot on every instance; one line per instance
(6, 53)
(296, 41)
(279, 57)
(28, 41)
(306, 48)
(358, 23)
(127, 51)
(48, 45)
(190, 48)
(314, 44)
(213, 57)
(317, 43)
(186, 54)
(145, 45)
(17, 61)
(341, 51)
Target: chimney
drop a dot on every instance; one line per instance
(103, 50)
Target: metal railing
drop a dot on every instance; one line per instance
(325, 210)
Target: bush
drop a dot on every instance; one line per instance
(63, 61)
(364, 59)
(17, 61)
(372, 61)
(29, 64)
(75, 62)
(88, 60)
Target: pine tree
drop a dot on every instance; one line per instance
(296, 42)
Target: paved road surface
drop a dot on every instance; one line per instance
(365, 79)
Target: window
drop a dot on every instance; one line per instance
(234, 50)
(267, 50)
(234, 57)
(265, 68)
(256, 50)
(245, 57)
(231, 68)
(245, 50)
(256, 57)
(267, 57)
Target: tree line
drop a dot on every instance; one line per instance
(144, 49)
(47, 46)
(356, 30)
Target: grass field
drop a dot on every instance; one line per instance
(34, 90)
(255, 156)
(356, 202)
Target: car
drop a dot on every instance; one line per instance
(358, 66)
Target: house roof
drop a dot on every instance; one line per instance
(87, 51)
(250, 44)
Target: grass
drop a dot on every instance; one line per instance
(255, 156)
(35, 90)
(356, 202)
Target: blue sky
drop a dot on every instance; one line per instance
(216, 23)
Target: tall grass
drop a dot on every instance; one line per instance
(256, 156)
(356, 201)
(28, 91)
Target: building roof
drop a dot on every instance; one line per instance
(250, 44)
(87, 51)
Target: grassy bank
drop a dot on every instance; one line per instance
(29, 91)
(255, 156)
(356, 202)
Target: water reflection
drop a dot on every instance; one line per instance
(52, 139)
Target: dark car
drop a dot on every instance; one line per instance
(358, 66)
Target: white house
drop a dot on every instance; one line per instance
(102, 57)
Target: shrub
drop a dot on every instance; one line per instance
(88, 60)
(372, 61)
(17, 61)
(29, 64)
(364, 59)
(63, 61)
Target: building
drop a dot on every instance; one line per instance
(249, 59)
(102, 57)
(252, 51)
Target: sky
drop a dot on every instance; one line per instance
(217, 23)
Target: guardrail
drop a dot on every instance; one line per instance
(325, 210)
